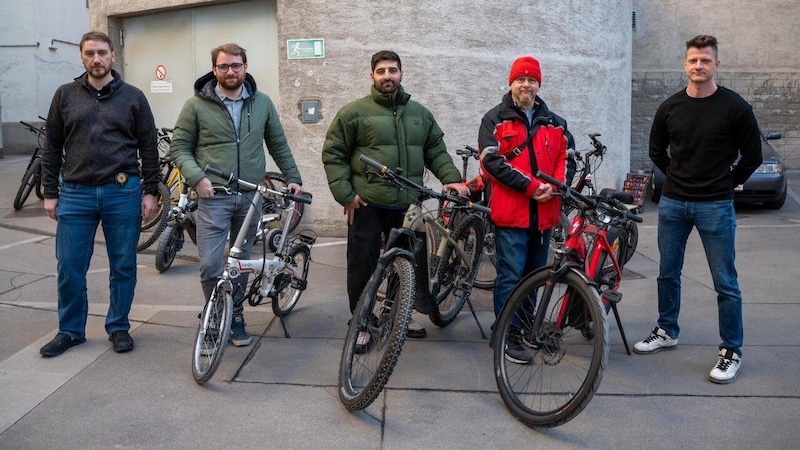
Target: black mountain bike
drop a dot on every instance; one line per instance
(32, 180)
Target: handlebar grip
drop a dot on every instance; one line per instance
(214, 171)
(305, 197)
(372, 163)
(480, 208)
(634, 217)
(543, 176)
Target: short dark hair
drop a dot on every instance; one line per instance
(97, 36)
(703, 41)
(386, 55)
(230, 49)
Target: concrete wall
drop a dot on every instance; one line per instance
(38, 53)
(758, 43)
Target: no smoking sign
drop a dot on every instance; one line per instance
(161, 72)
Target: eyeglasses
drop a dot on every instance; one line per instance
(237, 67)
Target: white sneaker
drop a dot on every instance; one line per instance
(657, 341)
(727, 367)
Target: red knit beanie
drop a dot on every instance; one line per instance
(526, 66)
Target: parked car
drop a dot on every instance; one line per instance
(767, 185)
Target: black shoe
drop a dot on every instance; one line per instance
(121, 341)
(517, 352)
(59, 345)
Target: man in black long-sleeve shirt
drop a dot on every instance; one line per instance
(706, 128)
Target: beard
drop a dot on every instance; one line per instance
(231, 83)
(386, 87)
(99, 71)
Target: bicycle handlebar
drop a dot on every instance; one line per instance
(388, 173)
(593, 202)
(32, 128)
(468, 151)
(233, 179)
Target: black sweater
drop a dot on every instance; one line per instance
(101, 133)
(704, 137)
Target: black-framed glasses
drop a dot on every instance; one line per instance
(237, 67)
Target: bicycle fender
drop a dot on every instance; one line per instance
(567, 267)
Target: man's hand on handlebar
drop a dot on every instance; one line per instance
(294, 188)
(543, 193)
(204, 188)
(460, 188)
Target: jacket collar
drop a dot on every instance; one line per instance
(387, 100)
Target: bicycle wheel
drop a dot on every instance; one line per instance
(566, 369)
(38, 180)
(168, 246)
(632, 230)
(152, 229)
(288, 288)
(382, 313)
(212, 334)
(487, 270)
(455, 274)
(276, 182)
(32, 177)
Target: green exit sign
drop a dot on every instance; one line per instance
(305, 48)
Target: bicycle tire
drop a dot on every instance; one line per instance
(215, 326)
(487, 271)
(31, 178)
(566, 369)
(632, 230)
(151, 230)
(168, 246)
(276, 182)
(383, 311)
(288, 289)
(39, 189)
(456, 277)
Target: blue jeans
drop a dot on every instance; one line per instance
(716, 224)
(217, 218)
(80, 210)
(519, 252)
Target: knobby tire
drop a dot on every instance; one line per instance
(383, 311)
(151, 230)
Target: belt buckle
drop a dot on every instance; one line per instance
(121, 178)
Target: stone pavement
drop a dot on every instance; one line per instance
(282, 393)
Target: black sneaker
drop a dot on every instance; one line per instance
(59, 345)
(121, 341)
(517, 352)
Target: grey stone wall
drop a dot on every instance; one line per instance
(775, 97)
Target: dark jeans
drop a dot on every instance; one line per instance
(519, 252)
(81, 209)
(371, 225)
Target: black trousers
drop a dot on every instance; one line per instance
(365, 238)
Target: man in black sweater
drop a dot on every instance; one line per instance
(98, 129)
(706, 128)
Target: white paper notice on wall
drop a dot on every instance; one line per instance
(161, 87)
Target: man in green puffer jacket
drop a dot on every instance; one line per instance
(225, 124)
(392, 129)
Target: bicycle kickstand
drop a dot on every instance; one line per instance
(475, 316)
(283, 325)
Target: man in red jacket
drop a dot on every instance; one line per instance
(518, 137)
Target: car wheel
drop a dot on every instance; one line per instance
(653, 190)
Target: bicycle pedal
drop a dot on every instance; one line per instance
(299, 284)
(612, 295)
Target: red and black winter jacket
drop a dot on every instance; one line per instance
(510, 169)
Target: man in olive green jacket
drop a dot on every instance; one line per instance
(392, 129)
(225, 124)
